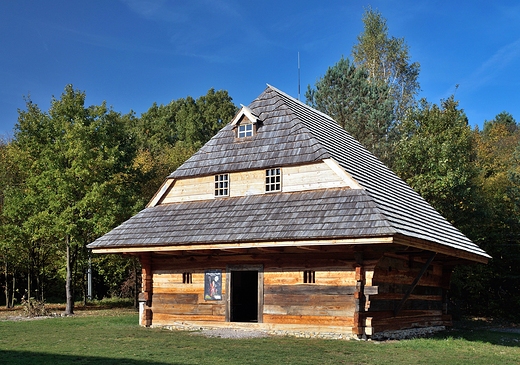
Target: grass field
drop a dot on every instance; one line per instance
(112, 336)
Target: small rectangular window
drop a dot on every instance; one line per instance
(309, 277)
(186, 278)
(222, 185)
(273, 180)
(245, 130)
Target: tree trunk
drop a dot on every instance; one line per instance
(69, 309)
(136, 286)
(29, 274)
(14, 289)
(6, 267)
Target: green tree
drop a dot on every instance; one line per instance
(387, 61)
(493, 289)
(435, 157)
(167, 135)
(79, 183)
(360, 107)
(505, 119)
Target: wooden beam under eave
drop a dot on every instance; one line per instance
(271, 249)
(232, 250)
(312, 248)
(440, 249)
(243, 245)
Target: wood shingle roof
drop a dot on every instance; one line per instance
(290, 133)
(319, 214)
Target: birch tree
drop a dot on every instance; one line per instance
(387, 61)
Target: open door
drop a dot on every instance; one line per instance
(245, 295)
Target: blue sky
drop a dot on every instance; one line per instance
(132, 53)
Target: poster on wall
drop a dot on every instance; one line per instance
(213, 285)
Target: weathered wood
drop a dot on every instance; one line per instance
(190, 309)
(309, 299)
(200, 188)
(414, 284)
(305, 289)
(295, 178)
(170, 299)
(231, 245)
(310, 320)
(310, 177)
(316, 310)
(161, 319)
(398, 297)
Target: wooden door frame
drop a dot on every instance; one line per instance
(258, 268)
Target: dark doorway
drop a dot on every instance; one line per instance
(244, 296)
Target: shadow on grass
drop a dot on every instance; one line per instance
(477, 331)
(25, 357)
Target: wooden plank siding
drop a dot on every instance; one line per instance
(424, 308)
(294, 178)
(287, 300)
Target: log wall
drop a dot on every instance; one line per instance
(348, 296)
(327, 305)
(425, 305)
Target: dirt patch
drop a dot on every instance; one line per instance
(231, 333)
(57, 310)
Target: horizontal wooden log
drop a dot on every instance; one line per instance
(190, 309)
(162, 319)
(309, 320)
(170, 299)
(317, 310)
(313, 299)
(309, 289)
(398, 296)
(383, 315)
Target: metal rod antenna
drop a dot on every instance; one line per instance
(298, 75)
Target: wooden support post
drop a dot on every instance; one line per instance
(147, 291)
(414, 284)
(359, 328)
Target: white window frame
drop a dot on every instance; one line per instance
(221, 185)
(273, 180)
(245, 130)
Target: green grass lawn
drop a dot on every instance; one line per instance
(113, 337)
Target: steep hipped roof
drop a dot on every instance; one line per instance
(290, 133)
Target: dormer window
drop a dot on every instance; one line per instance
(244, 123)
(245, 130)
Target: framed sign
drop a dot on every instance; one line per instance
(213, 285)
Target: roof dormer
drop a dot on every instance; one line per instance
(245, 123)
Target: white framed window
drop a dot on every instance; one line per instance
(273, 180)
(222, 185)
(245, 130)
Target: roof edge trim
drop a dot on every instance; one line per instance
(237, 245)
(245, 111)
(159, 195)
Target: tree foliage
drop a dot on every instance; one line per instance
(387, 62)
(75, 171)
(494, 289)
(360, 107)
(167, 135)
(434, 156)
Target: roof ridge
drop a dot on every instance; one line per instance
(300, 102)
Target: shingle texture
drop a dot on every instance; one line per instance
(290, 133)
(320, 214)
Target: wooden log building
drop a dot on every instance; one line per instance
(284, 222)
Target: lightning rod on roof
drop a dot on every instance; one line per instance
(298, 75)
